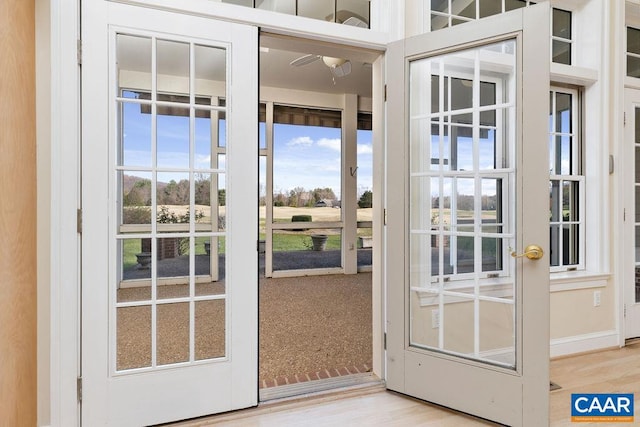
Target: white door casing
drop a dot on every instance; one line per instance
(632, 211)
(443, 356)
(197, 381)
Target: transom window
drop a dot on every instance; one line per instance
(566, 186)
(446, 13)
(348, 12)
(561, 39)
(633, 52)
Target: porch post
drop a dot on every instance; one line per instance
(18, 214)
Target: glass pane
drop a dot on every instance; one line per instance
(353, 12)
(461, 148)
(210, 328)
(172, 337)
(172, 198)
(561, 24)
(173, 267)
(133, 58)
(247, 3)
(461, 94)
(633, 40)
(440, 6)
(425, 259)
(563, 156)
(637, 164)
(491, 205)
(309, 249)
(462, 258)
(637, 203)
(465, 204)
(563, 113)
(554, 195)
(282, 6)
(570, 244)
(487, 94)
(514, 4)
(204, 138)
(439, 22)
(492, 254)
(210, 70)
(487, 150)
(262, 129)
(134, 142)
(637, 244)
(133, 343)
(570, 195)
(135, 188)
(561, 52)
(317, 9)
(490, 7)
(172, 67)
(206, 213)
(210, 265)
(633, 66)
(497, 339)
(135, 267)
(554, 245)
(466, 8)
(173, 138)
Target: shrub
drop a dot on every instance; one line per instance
(301, 218)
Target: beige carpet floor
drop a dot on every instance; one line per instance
(307, 324)
(313, 323)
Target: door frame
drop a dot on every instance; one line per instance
(530, 378)
(631, 98)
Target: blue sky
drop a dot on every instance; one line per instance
(304, 156)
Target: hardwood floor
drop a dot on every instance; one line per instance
(616, 370)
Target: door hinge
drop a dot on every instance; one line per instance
(624, 118)
(624, 311)
(79, 51)
(385, 93)
(624, 215)
(79, 388)
(385, 340)
(384, 217)
(79, 220)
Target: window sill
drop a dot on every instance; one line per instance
(574, 280)
(573, 75)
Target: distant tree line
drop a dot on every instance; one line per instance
(299, 197)
(171, 193)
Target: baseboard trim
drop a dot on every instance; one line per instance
(584, 343)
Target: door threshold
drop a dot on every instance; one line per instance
(317, 387)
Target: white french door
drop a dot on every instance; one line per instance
(468, 188)
(169, 196)
(632, 214)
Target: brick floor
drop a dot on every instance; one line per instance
(315, 376)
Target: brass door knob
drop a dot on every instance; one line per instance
(531, 252)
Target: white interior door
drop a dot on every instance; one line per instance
(467, 185)
(632, 214)
(169, 189)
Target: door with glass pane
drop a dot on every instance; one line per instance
(169, 273)
(632, 214)
(467, 194)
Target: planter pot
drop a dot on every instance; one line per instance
(319, 242)
(144, 259)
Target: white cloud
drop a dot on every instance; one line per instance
(301, 141)
(333, 144)
(365, 149)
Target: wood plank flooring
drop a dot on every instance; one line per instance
(616, 370)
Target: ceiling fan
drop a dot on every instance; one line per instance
(339, 67)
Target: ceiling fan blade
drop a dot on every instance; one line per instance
(341, 70)
(304, 60)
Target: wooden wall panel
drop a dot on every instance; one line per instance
(17, 214)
